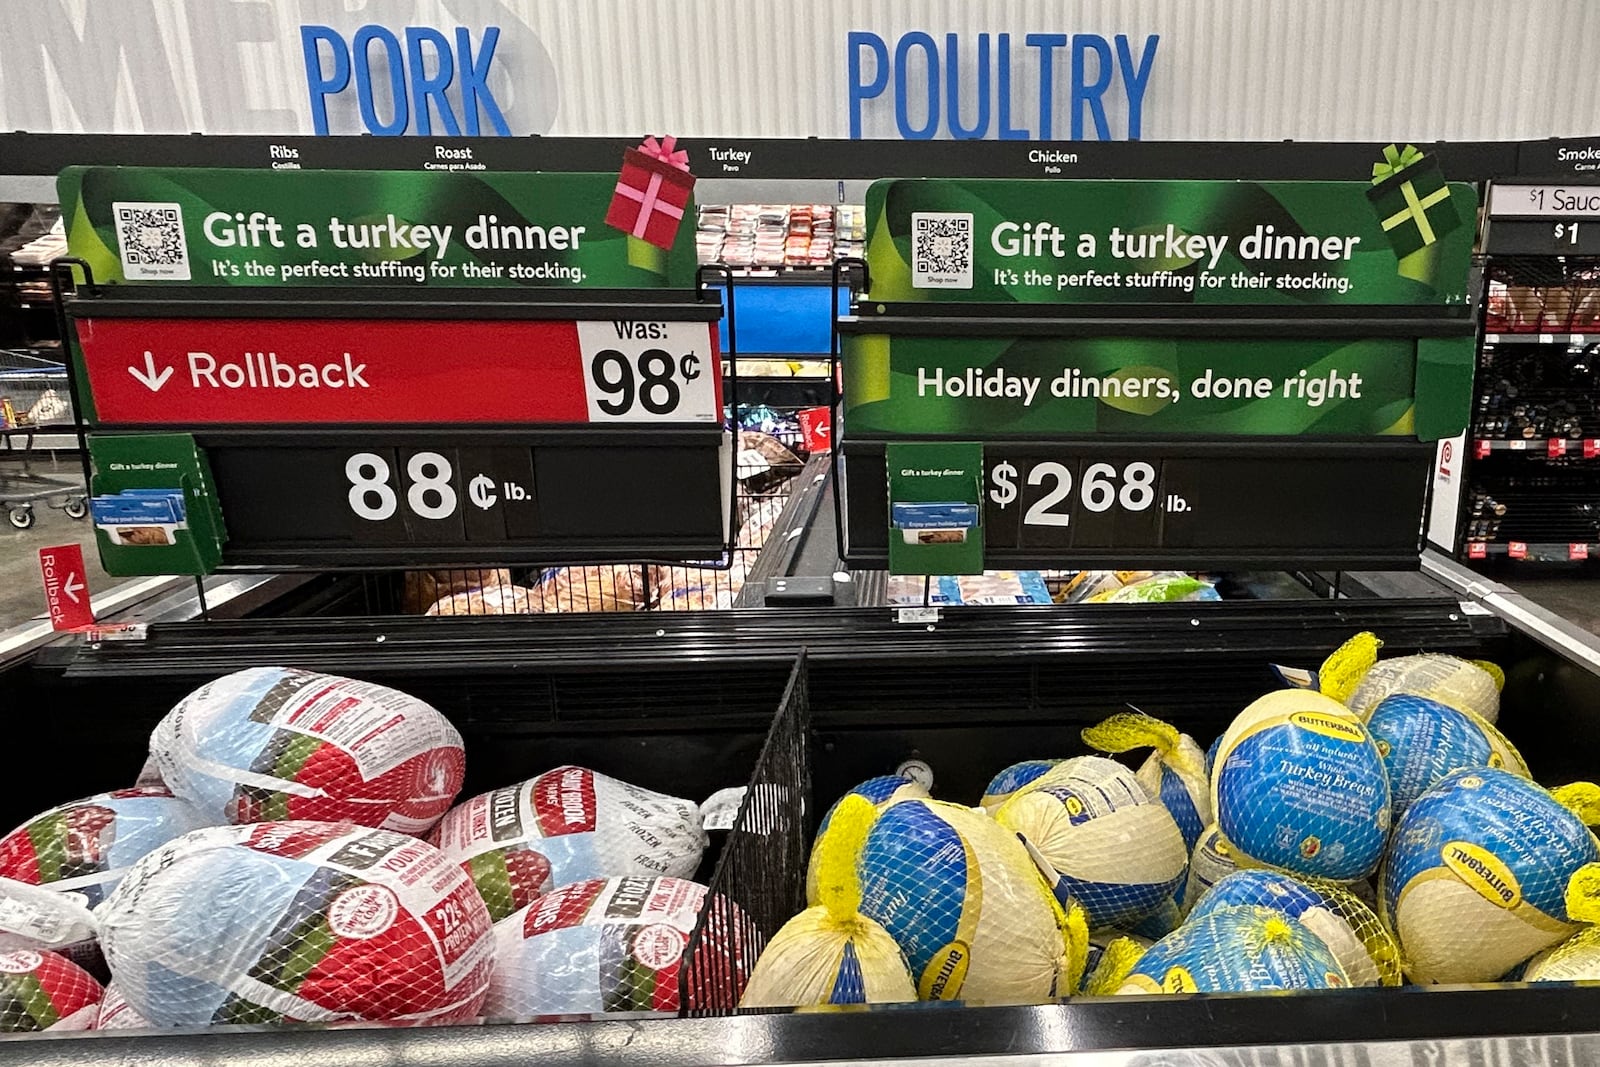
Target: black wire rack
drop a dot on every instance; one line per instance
(1542, 294)
(1538, 392)
(758, 883)
(1535, 474)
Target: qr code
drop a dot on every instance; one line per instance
(941, 249)
(150, 238)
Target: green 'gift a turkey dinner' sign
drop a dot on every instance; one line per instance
(216, 227)
(1373, 257)
(1405, 239)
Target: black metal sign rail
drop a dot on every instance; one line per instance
(833, 159)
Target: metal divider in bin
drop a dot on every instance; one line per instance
(758, 883)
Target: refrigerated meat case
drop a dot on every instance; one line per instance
(685, 702)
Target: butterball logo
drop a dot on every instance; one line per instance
(944, 976)
(1484, 872)
(407, 81)
(1328, 726)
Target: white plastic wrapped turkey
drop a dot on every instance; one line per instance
(569, 824)
(297, 921)
(274, 743)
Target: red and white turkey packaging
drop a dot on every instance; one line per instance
(275, 743)
(43, 990)
(117, 1014)
(297, 921)
(616, 944)
(32, 917)
(569, 824)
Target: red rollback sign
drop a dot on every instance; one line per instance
(66, 587)
(188, 372)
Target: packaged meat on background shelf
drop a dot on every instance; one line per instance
(779, 235)
(1049, 587)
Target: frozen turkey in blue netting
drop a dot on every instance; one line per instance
(275, 743)
(1100, 839)
(297, 922)
(1476, 876)
(1237, 950)
(86, 846)
(1350, 929)
(1167, 917)
(882, 791)
(1300, 785)
(1008, 781)
(1423, 740)
(965, 902)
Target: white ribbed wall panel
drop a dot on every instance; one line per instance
(1225, 69)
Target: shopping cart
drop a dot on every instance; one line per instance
(35, 410)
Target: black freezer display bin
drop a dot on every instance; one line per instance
(684, 703)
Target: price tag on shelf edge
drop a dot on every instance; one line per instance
(650, 371)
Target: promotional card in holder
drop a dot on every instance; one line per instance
(935, 512)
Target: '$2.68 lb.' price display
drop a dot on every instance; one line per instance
(1102, 487)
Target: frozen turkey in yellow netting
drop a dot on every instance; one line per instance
(567, 825)
(1577, 959)
(831, 953)
(1422, 740)
(1476, 877)
(882, 791)
(1300, 785)
(965, 902)
(1100, 838)
(1211, 861)
(1350, 929)
(1237, 950)
(1458, 683)
(1175, 773)
(1005, 784)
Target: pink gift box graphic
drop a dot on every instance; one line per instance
(652, 192)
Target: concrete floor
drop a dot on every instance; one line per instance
(1573, 595)
(21, 590)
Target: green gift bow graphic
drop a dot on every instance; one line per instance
(1396, 160)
